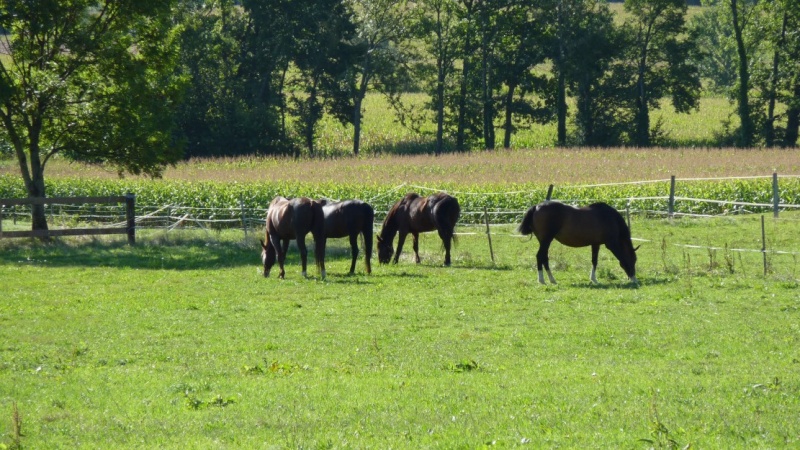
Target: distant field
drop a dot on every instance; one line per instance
(382, 134)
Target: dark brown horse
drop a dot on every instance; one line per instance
(593, 225)
(350, 218)
(414, 214)
(293, 219)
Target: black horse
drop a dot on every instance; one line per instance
(350, 218)
(593, 225)
(414, 214)
(293, 219)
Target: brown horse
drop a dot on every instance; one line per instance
(293, 219)
(414, 214)
(593, 225)
(350, 218)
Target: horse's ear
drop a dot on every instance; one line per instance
(636, 248)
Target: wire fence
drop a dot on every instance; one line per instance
(252, 220)
(177, 215)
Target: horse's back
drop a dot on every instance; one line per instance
(347, 217)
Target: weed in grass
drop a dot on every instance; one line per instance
(712, 259)
(729, 261)
(16, 429)
(661, 437)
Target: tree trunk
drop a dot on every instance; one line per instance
(356, 125)
(488, 109)
(465, 75)
(440, 106)
(585, 119)
(508, 125)
(462, 104)
(769, 132)
(793, 118)
(642, 119)
(743, 99)
(561, 107)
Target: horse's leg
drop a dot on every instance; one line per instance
(543, 261)
(281, 246)
(368, 248)
(401, 239)
(353, 251)
(301, 245)
(447, 239)
(416, 246)
(595, 251)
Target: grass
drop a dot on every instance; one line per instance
(178, 342)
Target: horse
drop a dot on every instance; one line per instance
(350, 218)
(592, 225)
(293, 219)
(414, 214)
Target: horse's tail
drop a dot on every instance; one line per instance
(446, 215)
(526, 227)
(318, 231)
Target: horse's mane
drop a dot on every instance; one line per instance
(624, 231)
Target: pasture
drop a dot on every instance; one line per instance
(178, 342)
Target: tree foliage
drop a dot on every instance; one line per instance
(91, 80)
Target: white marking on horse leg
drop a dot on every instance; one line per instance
(634, 280)
(305, 275)
(541, 277)
(323, 274)
(550, 275)
(592, 275)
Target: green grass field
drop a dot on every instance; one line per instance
(179, 342)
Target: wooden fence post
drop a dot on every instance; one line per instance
(763, 245)
(671, 204)
(130, 214)
(488, 233)
(244, 216)
(776, 196)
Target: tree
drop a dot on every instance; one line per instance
(91, 80)
(322, 54)
(660, 53)
(439, 22)
(741, 15)
(379, 53)
(523, 43)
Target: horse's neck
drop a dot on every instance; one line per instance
(390, 227)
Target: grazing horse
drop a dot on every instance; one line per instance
(293, 219)
(593, 225)
(414, 214)
(350, 218)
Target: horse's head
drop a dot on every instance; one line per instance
(264, 258)
(628, 260)
(385, 250)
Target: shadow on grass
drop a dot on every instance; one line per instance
(155, 254)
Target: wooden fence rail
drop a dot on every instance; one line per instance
(130, 216)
